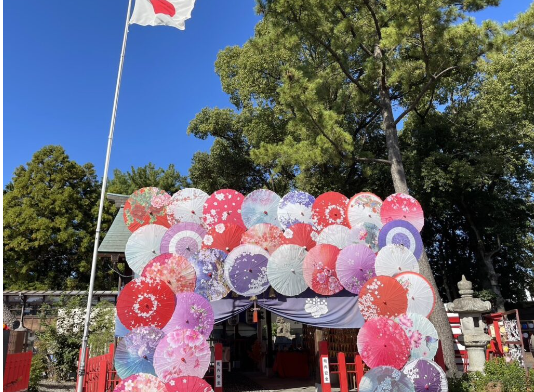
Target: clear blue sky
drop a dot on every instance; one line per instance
(60, 68)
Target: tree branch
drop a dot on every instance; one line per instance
(375, 160)
(362, 46)
(375, 20)
(321, 130)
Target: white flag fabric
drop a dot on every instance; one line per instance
(162, 12)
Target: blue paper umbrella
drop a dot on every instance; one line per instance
(260, 206)
(385, 378)
(135, 353)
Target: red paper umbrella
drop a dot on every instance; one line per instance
(146, 302)
(174, 270)
(382, 296)
(146, 206)
(330, 209)
(382, 342)
(301, 234)
(268, 236)
(319, 268)
(403, 207)
(224, 236)
(224, 206)
(188, 384)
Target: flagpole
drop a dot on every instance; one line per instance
(81, 369)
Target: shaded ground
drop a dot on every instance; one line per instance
(56, 386)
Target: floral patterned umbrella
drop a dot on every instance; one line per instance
(404, 207)
(382, 296)
(355, 265)
(143, 245)
(224, 206)
(187, 205)
(401, 232)
(395, 259)
(141, 382)
(135, 352)
(268, 236)
(182, 352)
(260, 206)
(174, 270)
(366, 233)
(364, 207)
(209, 267)
(245, 270)
(145, 302)
(188, 384)
(330, 208)
(146, 206)
(284, 270)
(385, 378)
(295, 207)
(421, 296)
(422, 334)
(223, 236)
(319, 268)
(192, 311)
(183, 239)
(301, 234)
(427, 376)
(382, 342)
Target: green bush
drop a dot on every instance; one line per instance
(37, 370)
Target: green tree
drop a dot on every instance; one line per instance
(169, 179)
(50, 212)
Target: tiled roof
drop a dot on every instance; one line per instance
(116, 237)
(119, 200)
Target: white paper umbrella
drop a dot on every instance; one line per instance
(186, 205)
(143, 245)
(338, 235)
(395, 259)
(260, 206)
(364, 207)
(284, 270)
(422, 334)
(421, 296)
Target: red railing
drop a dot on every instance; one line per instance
(342, 368)
(99, 373)
(17, 372)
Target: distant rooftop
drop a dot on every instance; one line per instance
(116, 237)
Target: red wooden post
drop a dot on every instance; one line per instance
(325, 374)
(342, 369)
(102, 375)
(359, 369)
(323, 347)
(218, 384)
(78, 372)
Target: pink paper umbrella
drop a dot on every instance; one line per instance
(265, 235)
(182, 352)
(224, 206)
(319, 268)
(183, 239)
(330, 209)
(141, 382)
(188, 384)
(174, 270)
(192, 311)
(404, 207)
(382, 342)
(355, 265)
(301, 234)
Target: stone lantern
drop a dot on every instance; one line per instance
(473, 336)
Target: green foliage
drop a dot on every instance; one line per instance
(38, 369)
(50, 212)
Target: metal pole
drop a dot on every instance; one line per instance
(81, 369)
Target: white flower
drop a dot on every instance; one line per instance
(220, 228)
(208, 240)
(288, 233)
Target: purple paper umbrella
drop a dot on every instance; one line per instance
(245, 270)
(355, 265)
(295, 207)
(209, 266)
(427, 376)
(192, 311)
(183, 239)
(401, 232)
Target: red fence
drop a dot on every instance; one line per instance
(17, 372)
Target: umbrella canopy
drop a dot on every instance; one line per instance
(421, 296)
(422, 334)
(135, 352)
(143, 245)
(284, 270)
(400, 232)
(364, 207)
(404, 207)
(382, 342)
(188, 384)
(427, 376)
(260, 206)
(265, 235)
(141, 382)
(192, 311)
(183, 239)
(366, 233)
(174, 270)
(301, 234)
(330, 208)
(355, 265)
(245, 270)
(382, 296)
(319, 268)
(145, 302)
(295, 207)
(146, 206)
(223, 236)
(395, 259)
(209, 268)
(182, 352)
(385, 378)
(224, 206)
(337, 235)
(187, 205)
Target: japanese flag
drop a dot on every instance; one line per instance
(162, 12)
